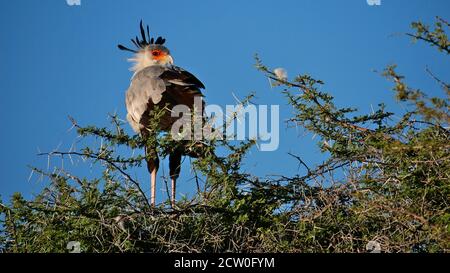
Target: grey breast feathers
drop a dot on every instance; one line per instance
(157, 84)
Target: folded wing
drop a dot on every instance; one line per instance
(162, 86)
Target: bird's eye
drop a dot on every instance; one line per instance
(156, 53)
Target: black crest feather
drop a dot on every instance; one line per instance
(144, 41)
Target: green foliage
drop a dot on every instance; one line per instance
(437, 37)
(385, 180)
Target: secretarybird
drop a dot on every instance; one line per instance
(157, 84)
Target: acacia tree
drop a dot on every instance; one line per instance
(384, 182)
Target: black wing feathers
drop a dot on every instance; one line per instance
(181, 75)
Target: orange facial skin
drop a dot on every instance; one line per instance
(158, 54)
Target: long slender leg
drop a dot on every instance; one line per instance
(153, 186)
(152, 166)
(172, 200)
(174, 169)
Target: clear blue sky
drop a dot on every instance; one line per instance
(58, 60)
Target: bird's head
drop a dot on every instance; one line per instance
(148, 51)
